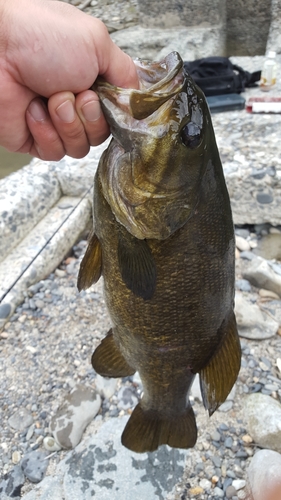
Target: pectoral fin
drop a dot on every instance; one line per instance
(218, 377)
(146, 430)
(91, 265)
(136, 265)
(108, 361)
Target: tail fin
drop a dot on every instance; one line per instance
(146, 430)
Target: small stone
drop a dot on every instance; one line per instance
(230, 491)
(263, 416)
(242, 495)
(215, 479)
(247, 439)
(216, 461)
(20, 420)
(127, 398)
(263, 366)
(218, 492)
(105, 386)
(215, 436)
(30, 432)
(197, 490)
(16, 456)
(205, 484)
(242, 244)
(39, 304)
(243, 285)
(5, 311)
(228, 442)
(34, 465)
(251, 321)
(60, 273)
(77, 411)
(50, 444)
(226, 406)
(261, 275)
(268, 294)
(239, 484)
(247, 255)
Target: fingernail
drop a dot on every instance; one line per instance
(91, 111)
(65, 111)
(37, 111)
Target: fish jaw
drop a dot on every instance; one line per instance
(154, 166)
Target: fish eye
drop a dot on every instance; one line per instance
(191, 135)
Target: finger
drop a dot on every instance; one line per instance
(89, 109)
(44, 141)
(68, 124)
(114, 65)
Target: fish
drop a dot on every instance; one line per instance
(163, 242)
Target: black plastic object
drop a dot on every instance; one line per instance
(225, 102)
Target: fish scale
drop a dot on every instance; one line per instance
(164, 243)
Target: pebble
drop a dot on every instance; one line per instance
(21, 419)
(258, 409)
(205, 484)
(239, 484)
(50, 444)
(16, 457)
(105, 386)
(230, 492)
(127, 398)
(228, 442)
(215, 436)
(5, 310)
(261, 275)
(242, 244)
(73, 416)
(218, 492)
(34, 465)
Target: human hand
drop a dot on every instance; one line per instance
(53, 50)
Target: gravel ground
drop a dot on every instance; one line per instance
(45, 350)
(115, 15)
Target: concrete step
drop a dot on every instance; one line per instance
(41, 251)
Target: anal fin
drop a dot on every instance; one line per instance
(147, 429)
(108, 361)
(91, 264)
(218, 377)
(137, 266)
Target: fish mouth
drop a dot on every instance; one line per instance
(158, 83)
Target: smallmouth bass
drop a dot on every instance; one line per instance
(164, 243)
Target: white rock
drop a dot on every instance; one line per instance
(262, 415)
(106, 386)
(50, 444)
(261, 275)
(242, 244)
(239, 484)
(205, 484)
(264, 472)
(252, 322)
(79, 408)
